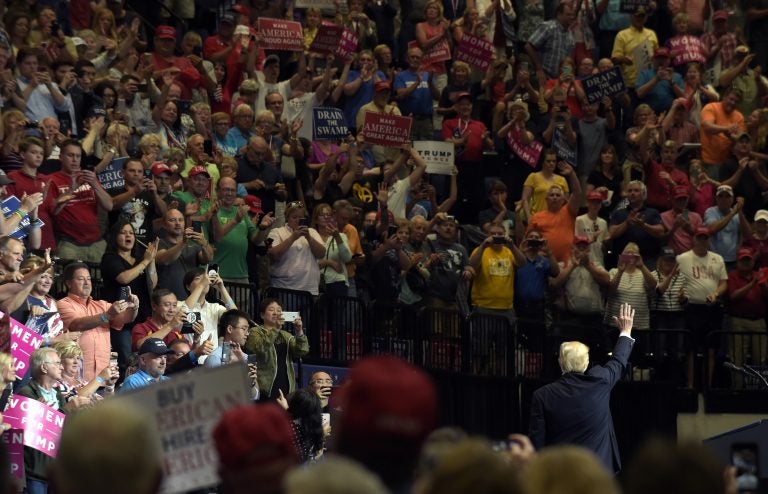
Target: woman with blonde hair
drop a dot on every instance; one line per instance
(7, 378)
(631, 283)
(43, 312)
(432, 31)
(72, 384)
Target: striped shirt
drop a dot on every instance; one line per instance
(631, 290)
(669, 301)
(553, 43)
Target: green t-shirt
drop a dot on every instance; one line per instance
(231, 250)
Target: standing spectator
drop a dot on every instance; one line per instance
(631, 283)
(294, 252)
(27, 181)
(337, 252)
(662, 178)
(594, 131)
(179, 250)
(538, 184)
(77, 196)
(679, 222)
(726, 224)
(706, 281)
(659, 85)
(666, 304)
(758, 239)
(747, 291)
(307, 424)
(551, 42)
(275, 349)
(494, 262)
(633, 40)
(415, 90)
(137, 202)
(192, 74)
(606, 179)
(678, 124)
(451, 269)
(746, 172)
(592, 227)
(260, 177)
(637, 223)
(379, 104)
(719, 43)
(432, 31)
(92, 318)
(748, 81)
(38, 95)
(556, 223)
(721, 122)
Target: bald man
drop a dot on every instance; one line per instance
(259, 176)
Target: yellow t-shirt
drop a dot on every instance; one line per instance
(626, 42)
(541, 186)
(494, 283)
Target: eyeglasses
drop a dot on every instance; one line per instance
(242, 328)
(54, 363)
(323, 381)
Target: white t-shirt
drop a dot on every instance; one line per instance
(297, 269)
(282, 87)
(301, 107)
(596, 231)
(702, 274)
(398, 192)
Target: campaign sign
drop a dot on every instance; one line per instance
(475, 51)
(386, 129)
(438, 155)
(327, 39)
(439, 52)
(24, 341)
(318, 4)
(602, 84)
(183, 412)
(42, 424)
(529, 153)
(14, 444)
(685, 49)
(328, 123)
(564, 150)
(112, 176)
(347, 45)
(629, 6)
(10, 205)
(277, 34)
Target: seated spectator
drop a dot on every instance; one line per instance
(152, 363)
(275, 350)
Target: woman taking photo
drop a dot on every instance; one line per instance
(72, 384)
(127, 268)
(631, 283)
(43, 313)
(606, 178)
(295, 251)
(307, 424)
(337, 254)
(275, 350)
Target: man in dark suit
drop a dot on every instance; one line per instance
(575, 408)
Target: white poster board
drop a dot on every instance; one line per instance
(438, 155)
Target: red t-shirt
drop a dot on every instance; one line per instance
(78, 220)
(659, 190)
(142, 331)
(752, 304)
(189, 77)
(31, 185)
(473, 149)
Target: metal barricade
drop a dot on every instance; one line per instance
(737, 348)
(245, 296)
(295, 301)
(442, 344)
(340, 324)
(661, 355)
(490, 346)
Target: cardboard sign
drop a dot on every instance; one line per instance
(277, 34)
(439, 52)
(112, 176)
(529, 153)
(386, 129)
(328, 124)
(438, 155)
(347, 47)
(318, 4)
(41, 424)
(685, 49)
(183, 411)
(14, 443)
(327, 39)
(24, 341)
(602, 84)
(564, 150)
(629, 6)
(475, 51)
(643, 56)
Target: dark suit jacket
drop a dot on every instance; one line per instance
(575, 409)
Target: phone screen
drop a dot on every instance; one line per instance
(208, 147)
(744, 456)
(197, 226)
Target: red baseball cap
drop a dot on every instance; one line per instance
(165, 32)
(744, 252)
(197, 170)
(720, 15)
(580, 239)
(702, 231)
(158, 168)
(595, 196)
(681, 191)
(380, 86)
(661, 52)
(254, 204)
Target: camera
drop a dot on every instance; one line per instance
(192, 318)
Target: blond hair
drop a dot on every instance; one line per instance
(574, 356)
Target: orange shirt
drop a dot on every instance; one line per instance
(557, 228)
(95, 342)
(716, 148)
(353, 241)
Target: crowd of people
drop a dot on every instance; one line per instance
(179, 157)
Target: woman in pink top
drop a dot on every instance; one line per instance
(431, 32)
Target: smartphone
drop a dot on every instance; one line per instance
(197, 226)
(303, 222)
(226, 352)
(208, 147)
(125, 293)
(392, 230)
(563, 108)
(326, 420)
(290, 316)
(253, 360)
(113, 359)
(567, 70)
(183, 105)
(499, 240)
(186, 326)
(535, 243)
(121, 106)
(148, 174)
(744, 456)
(55, 28)
(213, 270)
(523, 66)
(450, 218)
(627, 258)
(197, 51)
(142, 88)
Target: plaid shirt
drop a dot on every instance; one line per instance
(728, 50)
(553, 42)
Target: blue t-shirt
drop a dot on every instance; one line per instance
(726, 241)
(420, 101)
(353, 102)
(531, 280)
(662, 95)
(140, 379)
